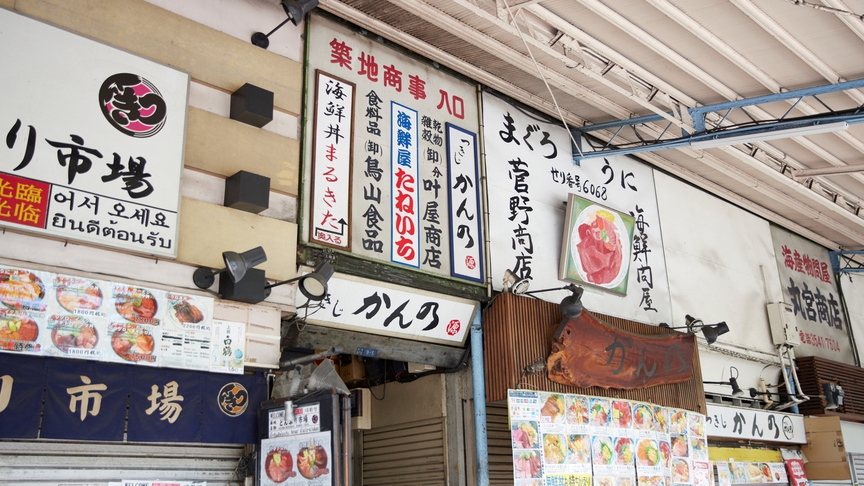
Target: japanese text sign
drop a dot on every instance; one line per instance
(97, 157)
(808, 285)
(406, 154)
(389, 310)
(530, 170)
(98, 401)
(748, 424)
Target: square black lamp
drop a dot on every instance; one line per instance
(252, 105)
(247, 192)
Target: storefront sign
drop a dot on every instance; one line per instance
(530, 170)
(98, 159)
(408, 125)
(87, 400)
(571, 439)
(762, 425)
(592, 353)
(808, 286)
(302, 420)
(381, 308)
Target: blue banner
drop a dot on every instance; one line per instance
(22, 383)
(231, 405)
(85, 400)
(165, 406)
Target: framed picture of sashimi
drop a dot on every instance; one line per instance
(596, 245)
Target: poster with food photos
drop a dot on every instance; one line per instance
(724, 474)
(77, 318)
(23, 310)
(296, 460)
(619, 442)
(186, 332)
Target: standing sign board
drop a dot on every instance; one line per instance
(394, 174)
(97, 158)
(530, 170)
(808, 285)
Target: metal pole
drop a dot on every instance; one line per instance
(477, 371)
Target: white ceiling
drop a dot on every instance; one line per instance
(607, 60)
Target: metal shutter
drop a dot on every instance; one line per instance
(856, 464)
(500, 445)
(410, 453)
(44, 462)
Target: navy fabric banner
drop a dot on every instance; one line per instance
(165, 406)
(231, 405)
(85, 400)
(22, 383)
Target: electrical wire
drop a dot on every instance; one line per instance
(825, 8)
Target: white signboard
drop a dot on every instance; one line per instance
(406, 114)
(750, 424)
(808, 285)
(380, 308)
(97, 158)
(229, 339)
(331, 160)
(303, 420)
(531, 174)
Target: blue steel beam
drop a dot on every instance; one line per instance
(844, 264)
(700, 114)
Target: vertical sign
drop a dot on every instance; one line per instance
(404, 205)
(465, 218)
(330, 213)
(399, 214)
(808, 285)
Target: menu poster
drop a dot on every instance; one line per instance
(724, 474)
(650, 459)
(228, 338)
(186, 332)
(23, 313)
(738, 472)
(702, 473)
(795, 469)
(681, 472)
(778, 472)
(72, 336)
(653, 481)
(296, 460)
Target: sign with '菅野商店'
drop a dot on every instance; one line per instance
(94, 140)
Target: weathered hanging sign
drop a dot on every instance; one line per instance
(589, 352)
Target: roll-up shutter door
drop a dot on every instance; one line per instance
(43, 462)
(856, 463)
(499, 444)
(410, 453)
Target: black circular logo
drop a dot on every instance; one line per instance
(788, 428)
(233, 399)
(132, 105)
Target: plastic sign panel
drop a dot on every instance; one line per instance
(372, 307)
(97, 158)
(412, 129)
(808, 285)
(531, 175)
(748, 424)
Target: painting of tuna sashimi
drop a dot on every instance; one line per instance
(597, 244)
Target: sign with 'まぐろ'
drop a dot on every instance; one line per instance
(94, 140)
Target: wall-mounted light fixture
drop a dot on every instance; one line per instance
(312, 285)
(733, 382)
(514, 284)
(693, 325)
(570, 306)
(236, 265)
(295, 10)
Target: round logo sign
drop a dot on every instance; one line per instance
(132, 105)
(233, 399)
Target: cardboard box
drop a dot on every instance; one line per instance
(353, 370)
(827, 470)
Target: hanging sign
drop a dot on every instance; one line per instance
(762, 425)
(99, 157)
(589, 352)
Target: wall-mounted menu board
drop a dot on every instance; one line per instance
(583, 440)
(50, 314)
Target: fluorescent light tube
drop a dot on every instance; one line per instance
(772, 135)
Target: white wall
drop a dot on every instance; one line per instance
(720, 264)
(852, 286)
